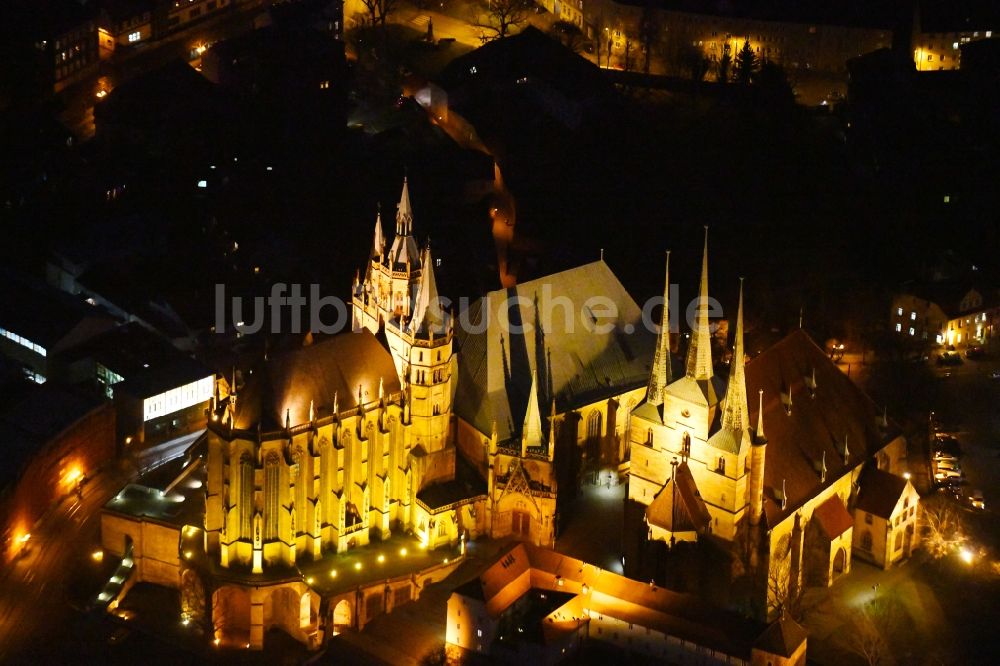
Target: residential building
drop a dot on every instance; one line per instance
(953, 313)
(886, 519)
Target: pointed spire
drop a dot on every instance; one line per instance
(336, 406)
(736, 412)
(361, 401)
(761, 437)
(312, 412)
(404, 212)
(378, 244)
(662, 373)
(531, 433)
(427, 305)
(381, 389)
(288, 419)
(699, 360)
(552, 430)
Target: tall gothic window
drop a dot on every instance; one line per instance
(272, 476)
(246, 496)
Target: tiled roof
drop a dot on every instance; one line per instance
(782, 638)
(335, 366)
(817, 423)
(678, 507)
(574, 363)
(880, 492)
(833, 517)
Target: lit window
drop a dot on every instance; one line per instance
(947, 198)
(911, 330)
(899, 311)
(479, 633)
(989, 33)
(134, 37)
(899, 327)
(913, 316)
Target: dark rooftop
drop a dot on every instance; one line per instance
(148, 363)
(26, 425)
(43, 314)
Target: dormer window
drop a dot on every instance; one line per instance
(721, 469)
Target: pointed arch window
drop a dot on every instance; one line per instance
(721, 468)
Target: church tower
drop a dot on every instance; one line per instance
(422, 348)
(729, 448)
(390, 278)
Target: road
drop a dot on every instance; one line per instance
(970, 399)
(37, 590)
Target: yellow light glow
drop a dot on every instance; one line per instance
(357, 566)
(187, 554)
(446, 560)
(216, 642)
(333, 573)
(381, 559)
(966, 555)
(97, 555)
(74, 475)
(402, 552)
(24, 538)
(310, 580)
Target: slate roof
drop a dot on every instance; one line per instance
(880, 492)
(833, 517)
(291, 379)
(575, 364)
(796, 441)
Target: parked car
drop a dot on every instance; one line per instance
(976, 499)
(975, 352)
(945, 458)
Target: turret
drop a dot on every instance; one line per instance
(735, 411)
(531, 433)
(427, 313)
(757, 458)
(699, 358)
(662, 373)
(378, 243)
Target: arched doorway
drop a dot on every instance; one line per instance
(839, 562)
(341, 617)
(282, 609)
(231, 615)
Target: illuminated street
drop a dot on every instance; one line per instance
(48, 587)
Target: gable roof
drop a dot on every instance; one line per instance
(880, 492)
(782, 638)
(833, 517)
(574, 363)
(337, 366)
(678, 506)
(797, 440)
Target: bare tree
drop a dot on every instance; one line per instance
(379, 10)
(942, 529)
(649, 34)
(865, 637)
(502, 17)
(569, 35)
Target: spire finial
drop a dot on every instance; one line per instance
(736, 412)
(531, 433)
(662, 373)
(404, 212)
(761, 438)
(288, 419)
(336, 407)
(699, 360)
